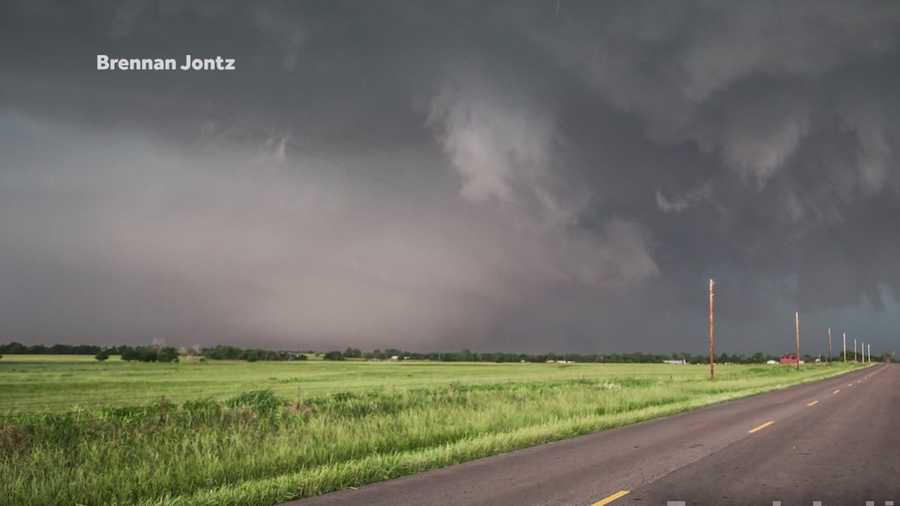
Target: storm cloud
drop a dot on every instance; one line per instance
(516, 176)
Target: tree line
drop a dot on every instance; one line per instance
(56, 349)
(223, 352)
(145, 353)
(471, 356)
(154, 353)
(150, 353)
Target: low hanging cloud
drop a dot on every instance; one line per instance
(500, 144)
(236, 242)
(679, 203)
(506, 148)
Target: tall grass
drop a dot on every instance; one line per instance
(259, 448)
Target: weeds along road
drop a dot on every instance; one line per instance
(836, 441)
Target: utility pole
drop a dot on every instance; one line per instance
(829, 345)
(797, 334)
(845, 346)
(870, 353)
(712, 329)
(854, 349)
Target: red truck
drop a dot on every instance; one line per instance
(790, 358)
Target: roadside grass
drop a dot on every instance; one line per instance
(265, 445)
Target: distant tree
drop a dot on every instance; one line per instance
(148, 353)
(128, 353)
(167, 354)
(14, 348)
(333, 355)
(222, 352)
(352, 353)
(101, 355)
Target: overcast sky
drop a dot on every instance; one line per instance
(518, 176)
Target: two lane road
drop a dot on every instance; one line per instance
(836, 441)
(844, 450)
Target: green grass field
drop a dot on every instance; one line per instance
(74, 431)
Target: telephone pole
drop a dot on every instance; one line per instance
(797, 335)
(854, 349)
(845, 346)
(829, 345)
(712, 329)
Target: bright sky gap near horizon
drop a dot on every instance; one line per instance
(500, 176)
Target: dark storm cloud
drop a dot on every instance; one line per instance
(519, 176)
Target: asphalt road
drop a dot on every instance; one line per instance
(836, 441)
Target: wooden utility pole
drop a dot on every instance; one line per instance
(854, 349)
(797, 335)
(712, 329)
(845, 346)
(829, 345)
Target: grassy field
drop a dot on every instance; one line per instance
(213, 433)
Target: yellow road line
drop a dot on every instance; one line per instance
(813, 403)
(609, 499)
(836, 391)
(761, 427)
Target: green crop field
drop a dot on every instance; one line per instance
(74, 431)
